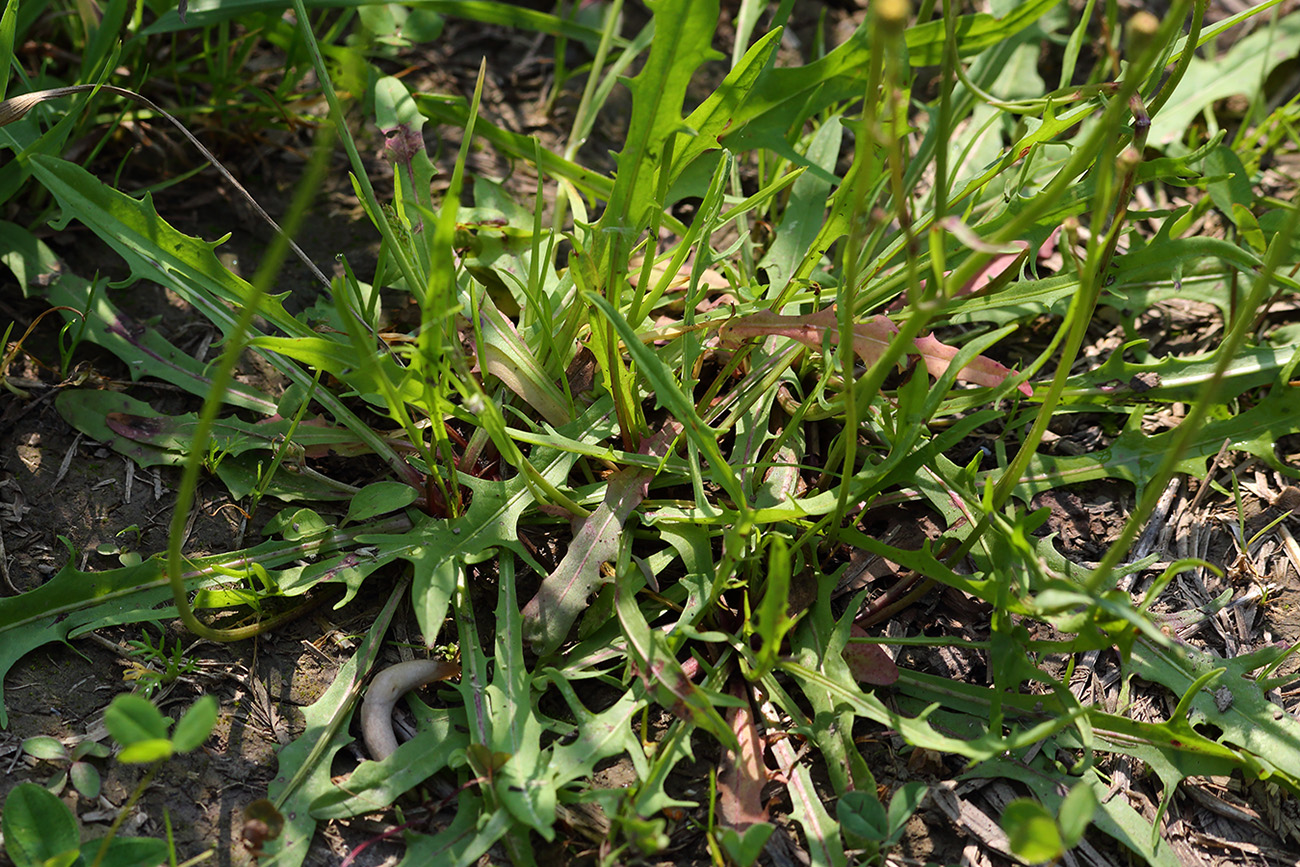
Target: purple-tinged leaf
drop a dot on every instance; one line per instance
(869, 663)
(564, 593)
(743, 775)
(870, 340)
(663, 676)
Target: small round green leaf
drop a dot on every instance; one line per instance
(1031, 831)
(90, 748)
(37, 826)
(131, 718)
(45, 747)
(85, 779)
(744, 849)
(379, 498)
(128, 852)
(1076, 813)
(195, 725)
(143, 752)
(55, 784)
(423, 25)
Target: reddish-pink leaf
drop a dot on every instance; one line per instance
(981, 371)
(994, 268)
(869, 663)
(740, 784)
(1003, 260)
(870, 340)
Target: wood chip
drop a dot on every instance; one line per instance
(67, 462)
(970, 818)
(4, 564)
(1219, 806)
(1292, 547)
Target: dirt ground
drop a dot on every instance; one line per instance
(56, 484)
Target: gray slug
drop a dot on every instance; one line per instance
(388, 686)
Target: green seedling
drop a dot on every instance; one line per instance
(869, 826)
(83, 774)
(73, 333)
(1037, 837)
(155, 665)
(10, 352)
(40, 830)
(143, 732)
(125, 548)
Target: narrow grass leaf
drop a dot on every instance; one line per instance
(204, 13)
(784, 97)
(670, 395)
(303, 767)
(454, 111)
(8, 26)
(662, 675)
(683, 30)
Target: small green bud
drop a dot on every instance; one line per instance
(892, 15)
(1139, 33)
(1128, 160)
